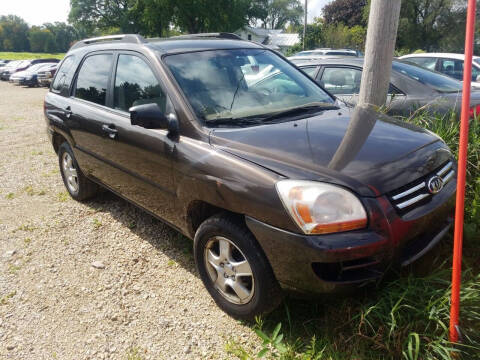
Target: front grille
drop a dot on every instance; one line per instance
(416, 193)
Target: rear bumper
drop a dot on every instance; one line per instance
(342, 261)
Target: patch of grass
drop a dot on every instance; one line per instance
(134, 353)
(96, 223)
(10, 196)
(29, 190)
(36, 153)
(171, 263)
(4, 299)
(28, 55)
(27, 241)
(50, 173)
(63, 196)
(25, 227)
(12, 269)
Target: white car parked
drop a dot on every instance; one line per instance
(447, 63)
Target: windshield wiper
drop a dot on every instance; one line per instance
(234, 121)
(265, 118)
(307, 108)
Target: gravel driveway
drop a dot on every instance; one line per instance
(99, 280)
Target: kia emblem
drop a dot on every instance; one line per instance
(435, 184)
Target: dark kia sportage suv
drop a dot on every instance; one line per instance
(279, 185)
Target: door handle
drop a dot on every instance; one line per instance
(68, 112)
(110, 130)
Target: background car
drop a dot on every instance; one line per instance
(45, 76)
(447, 63)
(411, 87)
(28, 77)
(327, 51)
(23, 65)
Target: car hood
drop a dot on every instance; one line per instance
(20, 74)
(361, 149)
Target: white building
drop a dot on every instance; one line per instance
(274, 39)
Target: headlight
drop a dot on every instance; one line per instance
(320, 208)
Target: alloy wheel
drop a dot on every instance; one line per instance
(229, 270)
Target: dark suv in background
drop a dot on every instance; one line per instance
(278, 184)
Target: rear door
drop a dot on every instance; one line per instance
(88, 111)
(131, 160)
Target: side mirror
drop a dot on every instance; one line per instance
(150, 116)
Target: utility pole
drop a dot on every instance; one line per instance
(381, 36)
(305, 24)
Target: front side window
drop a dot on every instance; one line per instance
(341, 81)
(218, 86)
(92, 80)
(346, 81)
(135, 84)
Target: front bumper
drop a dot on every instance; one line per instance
(342, 261)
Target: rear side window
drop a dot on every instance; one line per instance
(426, 62)
(62, 73)
(135, 84)
(92, 80)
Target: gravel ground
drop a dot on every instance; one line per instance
(99, 280)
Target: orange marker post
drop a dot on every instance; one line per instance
(462, 164)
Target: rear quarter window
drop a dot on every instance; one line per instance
(60, 79)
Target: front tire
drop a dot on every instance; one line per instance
(78, 186)
(234, 269)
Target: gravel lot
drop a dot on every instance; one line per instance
(99, 280)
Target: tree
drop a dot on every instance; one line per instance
(155, 16)
(275, 14)
(13, 34)
(420, 25)
(346, 12)
(97, 15)
(38, 37)
(196, 16)
(63, 35)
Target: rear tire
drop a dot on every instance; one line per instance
(234, 269)
(78, 186)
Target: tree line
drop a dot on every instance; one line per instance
(424, 25)
(428, 25)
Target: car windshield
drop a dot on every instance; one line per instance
(36, 67)
(227, 86)
(432, 79)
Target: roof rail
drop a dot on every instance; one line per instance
(218, 35)
(126, 38)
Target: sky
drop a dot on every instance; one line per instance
(37, 12)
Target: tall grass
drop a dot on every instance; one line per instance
(28, 55)
(407, 315)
